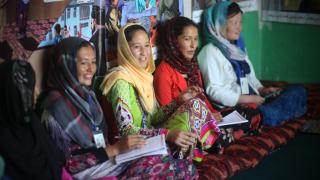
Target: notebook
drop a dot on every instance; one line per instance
(232, 118)
(154, 146)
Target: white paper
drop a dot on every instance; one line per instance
(154, 146)
(232, 118)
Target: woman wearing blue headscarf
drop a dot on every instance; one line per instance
(228, 74)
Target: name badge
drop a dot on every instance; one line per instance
(99, 139)
(244, 85)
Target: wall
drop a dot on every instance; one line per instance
(291, 52)
(253, 35)
(283, 51)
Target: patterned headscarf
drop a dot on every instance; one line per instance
(129, 70)
(77, 109)
(214, 29)
(174, 57)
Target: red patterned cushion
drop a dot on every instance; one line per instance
(247, 152)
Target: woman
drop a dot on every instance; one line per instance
(25, 146)
(228, 74)
(129, 90)
(178, 68)
(76, 124)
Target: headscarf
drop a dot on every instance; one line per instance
(176, 59)
(76, 108)
(214, 30)
(129, 70)
(24, 144)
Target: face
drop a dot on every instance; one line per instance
(114, 2)
(140, 47)
(234, 27)
(86, 65)
(188, 42)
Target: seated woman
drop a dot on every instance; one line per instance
(75, 121)
(129, 89)
(25, 146)
(178, 69)
(228, 74)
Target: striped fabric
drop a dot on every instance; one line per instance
(247, 152)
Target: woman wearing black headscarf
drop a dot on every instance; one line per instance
(24, 144)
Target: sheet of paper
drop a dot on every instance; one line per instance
(232, 118)
(154, 146)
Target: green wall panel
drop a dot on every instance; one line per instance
(283, 51)
(291, 52)
(252, 36)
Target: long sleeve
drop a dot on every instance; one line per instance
(218, 76)
(77, 158)
(130, 117)
(168, 84)
(163, 85)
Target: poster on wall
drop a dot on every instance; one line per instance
(293, 11)
(87, 19)
(29, 30)
(24, 24)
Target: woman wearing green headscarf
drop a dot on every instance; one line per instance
(229, 76)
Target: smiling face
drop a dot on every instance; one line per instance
(188, 41)
(140, 47)
(86, 65)
(234, 27)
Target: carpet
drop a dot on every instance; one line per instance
(312, 126)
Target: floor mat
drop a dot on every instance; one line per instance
(299, 159)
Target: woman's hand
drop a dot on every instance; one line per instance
(257, 99)
(189, 93)
(182, 139)
(125, 144)
(265, 91)
(243, 99)
(217, 116)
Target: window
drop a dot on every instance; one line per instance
(68, 13)
(294, 11)
(74, 12)
(83, 25)
(50, 36)
(84, 12)
(75, 30)
(62, 17)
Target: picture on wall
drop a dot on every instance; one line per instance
(43, 24)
